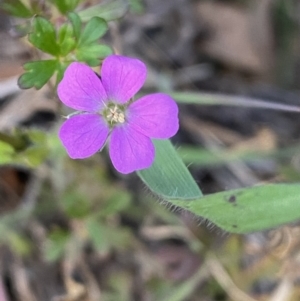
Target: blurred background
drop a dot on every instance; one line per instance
(79, 231)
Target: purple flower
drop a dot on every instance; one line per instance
(106, 108)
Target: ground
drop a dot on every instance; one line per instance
(78, 230)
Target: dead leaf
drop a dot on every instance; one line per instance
(230, 37)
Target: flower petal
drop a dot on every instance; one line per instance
(154, 115)
(83, 135)
(130, 150)
(81, 89)
(122, 77)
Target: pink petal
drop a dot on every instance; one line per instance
(154, 115)
(129, 150)
(81, 89)
(122, 77)
(83, 135)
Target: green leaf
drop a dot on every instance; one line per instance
(93, 54)
(136, 6)
(203, 157)
(56, 244)
(18, 243)
(108, 10)
(37, 74)
(66, 39)
(75, 205)
(211, 99)
(60, 71)
(105, 237)
(37, 136)
(119, 201)
(168, 177)
(65, 6)
(16, 140)
(6, 153)
(43, 36)
(249, 209)
(16, 8)
(33, 156)
(93, 30)
(76, 24)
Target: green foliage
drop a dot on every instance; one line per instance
(93, 30)
(66, 39)
(118, 202)
(93, 54)
(37, 150)
(88, 48)
(104, 237)
(69, 42)
(37, 74)
(6, 153)
(136, 6)
(56, 244)
(28, 148)
(18, 140)
(75, 205)
(241, 211)
(19, 243)
(168, 177)
(16, 8)
(33, 156)
(76, 24)
(43, 36)
(213, 99)
(249, 209)
(202, 157)
(108, 10)
(65, 6)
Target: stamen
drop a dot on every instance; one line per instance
(115, 115)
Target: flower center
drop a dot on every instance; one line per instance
(114, 114)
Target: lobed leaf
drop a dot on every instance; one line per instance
(37, 74)
(66, 39)
(92, 54)
(43, 36)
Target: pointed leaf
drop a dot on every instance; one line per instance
(93, 30)
(168, 177)
(213, 99)
(249, 209)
